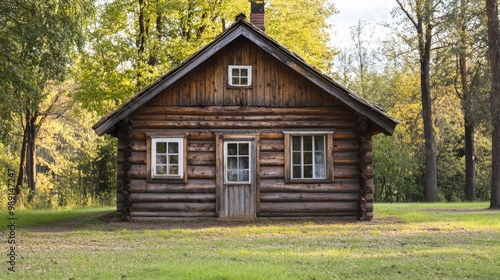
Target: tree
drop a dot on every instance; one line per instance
(494, 56)
(421, 15)
(467, 46)
(133, 42)
(38, 38)
(302, 26)
(361, 57)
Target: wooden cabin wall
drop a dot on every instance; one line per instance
(197, 198)
(279, 100)
(153, 200)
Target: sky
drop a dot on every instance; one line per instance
(351, 11)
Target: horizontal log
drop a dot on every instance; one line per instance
(171, 214)
(201, 146)
(138, 136)
(345, 146)
(201, 158)
(174, 206)
(135, 158)
(342, 161)
(347, 215)
(272, 172)
(338, 186)
(272, 158)
(339, 154)
(167, 219)
(308, 207)
(369, 206)
(201, 172)
(272, 145)
(369, 216)
(348, 146)
(240, 118)
(204, 135)
(271, 135)
(137, 146)
(192, 186)
(135, 172)
(172, 197)
(345, 135)
(339, 161)
(199, 135)
(345, 172)
(308, 197)
(243, 124)
(241, 110)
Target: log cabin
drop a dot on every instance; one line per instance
(245, 128)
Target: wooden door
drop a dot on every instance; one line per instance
(237, 178)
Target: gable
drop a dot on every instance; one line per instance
(242, 29)
(274, 84)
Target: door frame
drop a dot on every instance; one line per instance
(244, 136)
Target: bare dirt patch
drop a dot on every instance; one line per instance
(112, 221)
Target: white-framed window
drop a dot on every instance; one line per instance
(237, 162)
(240, 76)
(308, 157)
(167, 156)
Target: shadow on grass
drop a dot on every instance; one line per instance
(112, 222)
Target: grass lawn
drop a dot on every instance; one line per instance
(404, 241)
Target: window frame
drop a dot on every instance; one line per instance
(151, 159)
(240, 67)
(314, 165)
(250, 171)
(328, 148)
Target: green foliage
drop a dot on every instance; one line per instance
(302, 27)
(80, 166)
(132, 44)
(38, 39)
(389, 77)
(396, 170)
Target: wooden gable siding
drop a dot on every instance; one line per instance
(197, 197)
(274, 84)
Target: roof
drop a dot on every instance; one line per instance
(241, 27)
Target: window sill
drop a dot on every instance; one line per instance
(166, 180)
(239, 87)
(309, 181)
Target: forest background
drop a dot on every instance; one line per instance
(67, 63)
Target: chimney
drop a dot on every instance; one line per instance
(257, 14)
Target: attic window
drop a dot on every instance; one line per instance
(240, 76)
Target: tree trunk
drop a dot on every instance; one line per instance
(470, 169)
(425, 41)
(140, 44)
(470, 165)
(22, 164)
(494, 53)
(31, 157)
